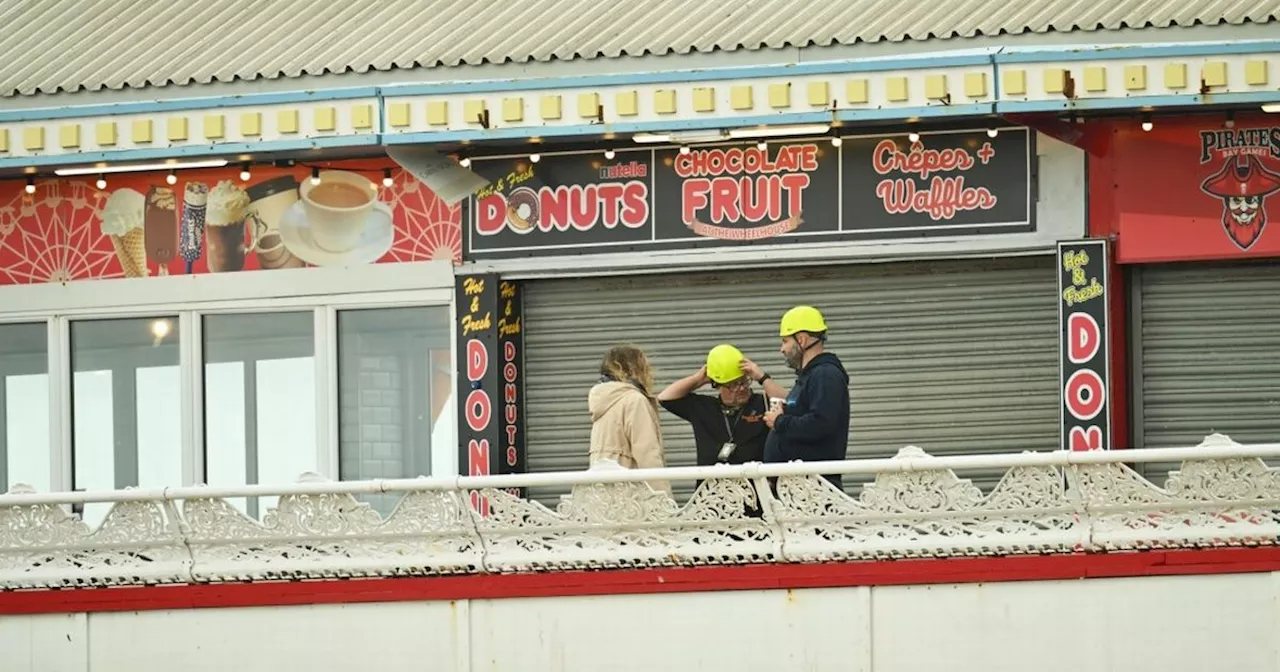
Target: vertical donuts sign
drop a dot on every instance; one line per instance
(1085, 368)
(490, 347)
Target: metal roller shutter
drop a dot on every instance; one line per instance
(955, 357)
(1205, 345)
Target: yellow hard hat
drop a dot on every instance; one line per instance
(724, 364)
(802, 318)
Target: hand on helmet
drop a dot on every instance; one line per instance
(753, 370)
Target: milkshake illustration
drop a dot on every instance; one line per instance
(122, 220)
(191, 228)
(161, 224)
(225, 212)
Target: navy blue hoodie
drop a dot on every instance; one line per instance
(815, 425)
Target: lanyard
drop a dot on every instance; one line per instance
(729, 428)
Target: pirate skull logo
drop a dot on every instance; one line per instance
(1243, 185)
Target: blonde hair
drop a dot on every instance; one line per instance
(628, 363)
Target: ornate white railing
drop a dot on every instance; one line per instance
(917, 506)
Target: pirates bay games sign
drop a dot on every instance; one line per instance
(734, 194)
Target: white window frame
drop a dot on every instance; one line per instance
(324, 291)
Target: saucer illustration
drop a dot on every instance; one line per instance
(375, 239)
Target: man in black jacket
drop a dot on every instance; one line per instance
(813, 424)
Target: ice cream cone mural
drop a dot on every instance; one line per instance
(122, 221)
(191, 228)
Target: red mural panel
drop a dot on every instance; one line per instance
(211, 221)
(1197, 191)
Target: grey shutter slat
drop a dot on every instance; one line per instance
(1209, 355)
(955, 357)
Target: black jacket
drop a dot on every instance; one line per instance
(815, 425)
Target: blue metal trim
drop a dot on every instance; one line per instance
(183, 104)
(1103, 53)
(930, 112)
(382, 113)
(1138, 102)
(678, 76)
(601, 129)
(825, 116)
(201, 150)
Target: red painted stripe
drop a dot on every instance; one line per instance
(624, 582)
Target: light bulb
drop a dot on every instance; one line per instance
(160, 328)
(171, 178)
(609, 154)
(31, 185)
(913, 137)
(837, 141)
(762, 146)
(315, 176)
(386, 178)
(465, 162)
(535, 157)
(102, 182)
(684, 149)
(1146, 125)
(244, 173)
(993, 132)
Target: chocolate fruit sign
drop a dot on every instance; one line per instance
(752, 193)
(746, 192)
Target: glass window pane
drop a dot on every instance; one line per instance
(24, 406)
(259, 400)
(393, 382)
(125, 403)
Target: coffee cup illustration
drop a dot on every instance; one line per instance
(337, 208)
(268, 202)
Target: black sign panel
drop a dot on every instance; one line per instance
(479, 429)
(737, 193)
(744, 193)
(511, 345)
(1085, 380)
(944, 183)
(562, 202)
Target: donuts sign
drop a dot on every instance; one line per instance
(1085, 352)
(562, 197)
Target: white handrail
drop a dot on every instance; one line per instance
(1222, 494)
(320, 486)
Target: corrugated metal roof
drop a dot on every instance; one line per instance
(62, 45)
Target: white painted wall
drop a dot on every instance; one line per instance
(1172, 624)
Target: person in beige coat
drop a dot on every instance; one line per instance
(624, 415)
